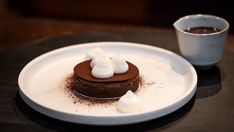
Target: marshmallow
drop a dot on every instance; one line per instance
(94, 52)
(120, 66)
(129, 103)
(102, 68)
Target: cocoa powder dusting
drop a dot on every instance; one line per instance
(78, 98)
(144, 83)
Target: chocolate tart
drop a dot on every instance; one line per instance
(113, 87)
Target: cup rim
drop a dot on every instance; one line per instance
(201, 15)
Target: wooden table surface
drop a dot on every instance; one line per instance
(211, 109)
(20, 31)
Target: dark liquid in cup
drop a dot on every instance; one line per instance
(202, 30)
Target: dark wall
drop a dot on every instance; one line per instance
(144, 12)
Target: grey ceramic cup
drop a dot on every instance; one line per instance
(203, 50)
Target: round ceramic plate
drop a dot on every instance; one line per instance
(168, 82)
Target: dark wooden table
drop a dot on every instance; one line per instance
(211, 109)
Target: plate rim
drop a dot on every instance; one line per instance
(176, 105)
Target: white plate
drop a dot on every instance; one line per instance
(169, 83)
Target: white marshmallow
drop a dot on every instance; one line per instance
(102, 68)
(97, 59)
(120, 66)
(129, 103)
(94, 53)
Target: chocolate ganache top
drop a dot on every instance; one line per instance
(83, 71)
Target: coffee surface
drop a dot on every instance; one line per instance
(202, 30)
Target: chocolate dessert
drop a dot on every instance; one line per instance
(112, 87)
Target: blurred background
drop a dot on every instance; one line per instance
(136, 12)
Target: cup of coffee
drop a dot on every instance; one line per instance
(201, 38)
